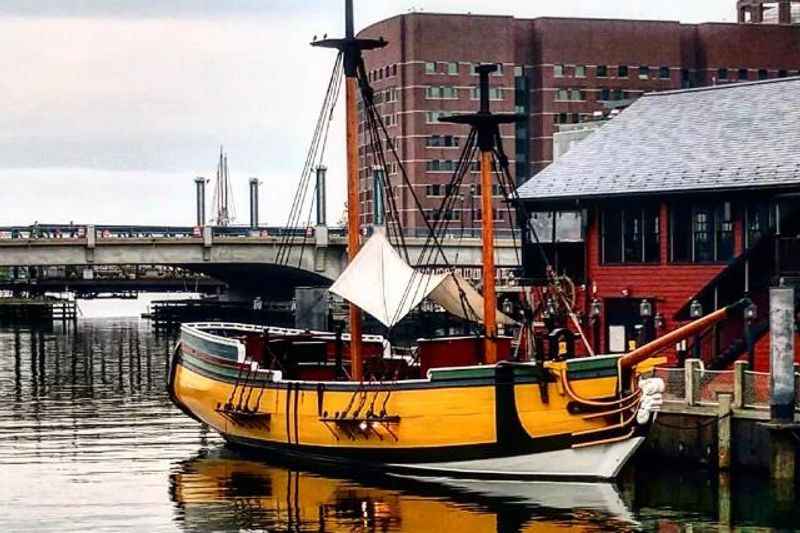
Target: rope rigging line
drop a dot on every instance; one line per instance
(396, 230)
(378, 132)
(439, 228)
(315, 154)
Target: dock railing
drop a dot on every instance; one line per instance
(693, 385)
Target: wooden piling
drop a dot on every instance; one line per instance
(724, 430)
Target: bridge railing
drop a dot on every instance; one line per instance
(104, 232)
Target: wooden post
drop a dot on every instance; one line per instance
(724, 430)
(489, 291)
(353, 222)
(739, 369)
(689, 381)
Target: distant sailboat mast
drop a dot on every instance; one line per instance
(223, 205)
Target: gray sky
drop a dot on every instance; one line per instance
(111, 107)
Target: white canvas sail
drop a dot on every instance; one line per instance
(382, 284)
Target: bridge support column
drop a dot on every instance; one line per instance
(91, 241)
(208, 242)
(200, 184)
(311, 308)
(321, 248)
(254, 203)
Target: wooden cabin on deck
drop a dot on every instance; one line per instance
(688, 201)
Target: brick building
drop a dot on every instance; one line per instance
(555, 71)
(689, 199)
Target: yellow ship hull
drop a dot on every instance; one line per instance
(516, 420)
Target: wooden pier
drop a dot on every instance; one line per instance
(24, 310)
(722, 419)
(167, 315)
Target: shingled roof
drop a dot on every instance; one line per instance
(738, 136)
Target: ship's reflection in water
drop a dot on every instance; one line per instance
(89, 441)
(221, 489)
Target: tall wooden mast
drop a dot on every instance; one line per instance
(352, 49)
(487, 125)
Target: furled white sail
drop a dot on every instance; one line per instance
(382, 284)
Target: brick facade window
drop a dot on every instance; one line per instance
(622, 71)
(722, 74)
(430, 68)
(580, 71)
(495, 93)
(602, 71)
(559, 71)
(631, 236)
(644, 73)
(432, 117)
(442, 141)
(441, 92)
(440, 165)
(744, 74)
(663, 73)
(763, 74)
(452, 68)
(577, 95)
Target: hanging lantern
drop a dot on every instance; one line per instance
(696, 309)
(596, 309)
(645, 309)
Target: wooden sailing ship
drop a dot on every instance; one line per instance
(476, 406)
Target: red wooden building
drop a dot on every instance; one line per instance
(689, 200)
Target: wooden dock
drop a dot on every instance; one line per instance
(167, 315)
(722, 419)
(31, 310)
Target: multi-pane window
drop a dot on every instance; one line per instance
(495, 93)
(782, 73)
(440, 165)
(644, 72)
(744, 74)
(498, 215)
(763, 74)
(602, 71)
(702, 233)
(442, 141)
(434, 189)
(577, 95)
(430, 68)
(663, 73)
(452, 68)
(432, 117)
(622, 71)
(580, 71)
(760, 222)
(562, 94)
(631, 236)
(559, 71)
(605, 94)
(722, 74)
(441, 92)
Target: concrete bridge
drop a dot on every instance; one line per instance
(246, 259)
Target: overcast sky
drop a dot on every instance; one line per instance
(112, 107)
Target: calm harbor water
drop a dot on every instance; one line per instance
(90, 442)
